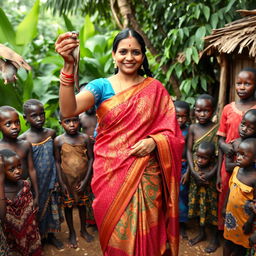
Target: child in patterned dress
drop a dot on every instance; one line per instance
(182, 113)
(241, 189)
(20, 225)
(41, 139)
(4, 249)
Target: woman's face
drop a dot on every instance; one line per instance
(128, 56)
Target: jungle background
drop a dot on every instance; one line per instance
(173, 31)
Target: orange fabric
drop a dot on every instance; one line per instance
(236, 215)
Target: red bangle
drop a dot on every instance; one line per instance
(67, 75)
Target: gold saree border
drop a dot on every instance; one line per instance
(165, 158)
(121, 97)
(121, 200)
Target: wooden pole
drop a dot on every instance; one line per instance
(223, 62)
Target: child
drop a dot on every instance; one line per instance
(241, 189)
(10, 128)
(182, 113)
(247, 129)
(202, 201)
(88, 122)
(20, 226)
(74, 157)
(49, 214)
(4, 249)
(228, 129)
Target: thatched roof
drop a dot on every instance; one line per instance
(234, 37)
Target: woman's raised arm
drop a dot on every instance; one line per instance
(70, 104)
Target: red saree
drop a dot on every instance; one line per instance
(136, 198)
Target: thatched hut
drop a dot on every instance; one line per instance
(234, 45)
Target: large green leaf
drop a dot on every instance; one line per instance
(27, 29)
(28, 87)
(68, 23)
(10, 96)
(7, 33)
(88, 29)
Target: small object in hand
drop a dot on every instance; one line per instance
(76, 55)
(10, 62)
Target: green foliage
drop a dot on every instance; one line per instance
(27, 29)
(176, 29)
(38, 49)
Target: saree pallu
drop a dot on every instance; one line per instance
(124, 192)
(49, 201)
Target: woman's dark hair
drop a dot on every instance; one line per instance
(29, 103)
(125, 34)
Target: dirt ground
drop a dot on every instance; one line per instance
(93, 248)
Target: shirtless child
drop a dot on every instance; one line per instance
(10, 128)
(74, 158)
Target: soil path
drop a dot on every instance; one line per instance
(93, 248)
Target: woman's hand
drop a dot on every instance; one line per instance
(143, 147)
(65, 45)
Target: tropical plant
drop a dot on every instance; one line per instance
(38, 49)
(173, 31)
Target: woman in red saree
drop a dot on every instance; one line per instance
(137, 151)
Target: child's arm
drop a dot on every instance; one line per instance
(225, 204)
(32, 174)
(218, 182)
(230, 159)
(248, 225)
(230, 164)
(226, 147)
(2, 194)
(90, 156)
(189, 155)
(58, 164)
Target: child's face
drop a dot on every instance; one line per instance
(10, 124)
(35, 116)
(245, 155)
(13, 170)
(182, 116)
(203, 157)
(247, 128)
(245, 84)
(71, 125)
(203, 110)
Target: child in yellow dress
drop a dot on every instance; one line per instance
(241, 190)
